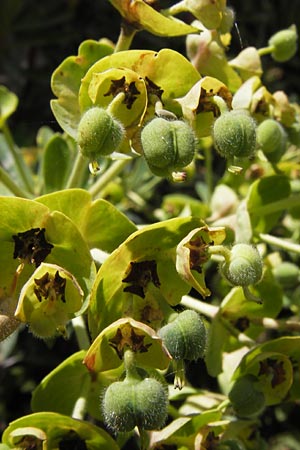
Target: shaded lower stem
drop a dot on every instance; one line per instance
(115, 168)
(11, 185)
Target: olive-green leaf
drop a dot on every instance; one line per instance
(8, 104)
(66, 79)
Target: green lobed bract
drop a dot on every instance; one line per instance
(244, 266)
(246, 399)
(185, 337)
(234, 134)
(272, 139)
(284, 44)
(133, 402)
(99, 134)
(168, 145)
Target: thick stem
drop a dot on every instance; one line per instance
(18, 159)
(75, 178)
(175, 9)
(265, 50)
(220, 250)
(281, 243)
(81, 332)
(206, 309)
(11, 185)
(115, 168)
(127, 33)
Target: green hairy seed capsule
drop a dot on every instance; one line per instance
(284, 43)
(272, 139)
(131, 403)
(244, 267)
(168, 145)
(99, 134)
(246, 399)
(234, 134)
(185, 337)
(287, 274)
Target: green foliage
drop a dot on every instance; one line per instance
(156, 239)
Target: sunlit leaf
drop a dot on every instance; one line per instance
(8, 104)
(65, 83)
(142, 16)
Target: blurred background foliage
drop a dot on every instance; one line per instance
(35, 36)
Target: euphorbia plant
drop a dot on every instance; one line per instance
(196, 279)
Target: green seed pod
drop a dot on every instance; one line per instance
(168, 145)
(287, 274)
(99, 134)
(133, 402)
(272, 139)
(234, 134)
(185, 337)
(246, 399)
(284, 43)
(244, 267)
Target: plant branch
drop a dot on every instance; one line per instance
(18, 159)
(127, 33)
(6, 180)
(115, 168)
(281, 243)
(75, 178)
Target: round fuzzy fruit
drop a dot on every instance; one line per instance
(246, 399)
(98, 134)
(272, 139)
(287, 274)
(284, 43)
(244, 267)
(168, 145)
(185, 337)
(132, 402)
(234, 134)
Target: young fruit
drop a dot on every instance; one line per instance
(99, 134)
(246, 399)
(185, 337)
(234, 134)
(272, 139)
(168, 145)
(284, 44)
(244, 266)
(133, 402)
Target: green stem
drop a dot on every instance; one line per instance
(81, 333)
(281, 243)
(175, 9)
(206, 309)
(80, 406)
(265, 50)
(279, 206)
(208, 173)
(11, 185)
(127, 33)
(220, 250)
(79, 167)
(115, 168)
(18, 159)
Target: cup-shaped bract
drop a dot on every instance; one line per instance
(234, 134)
(185, 337)
(244, 266)
(168, 145)
(284, 44)
(49, 299)
(99, 134)
(133, 402)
